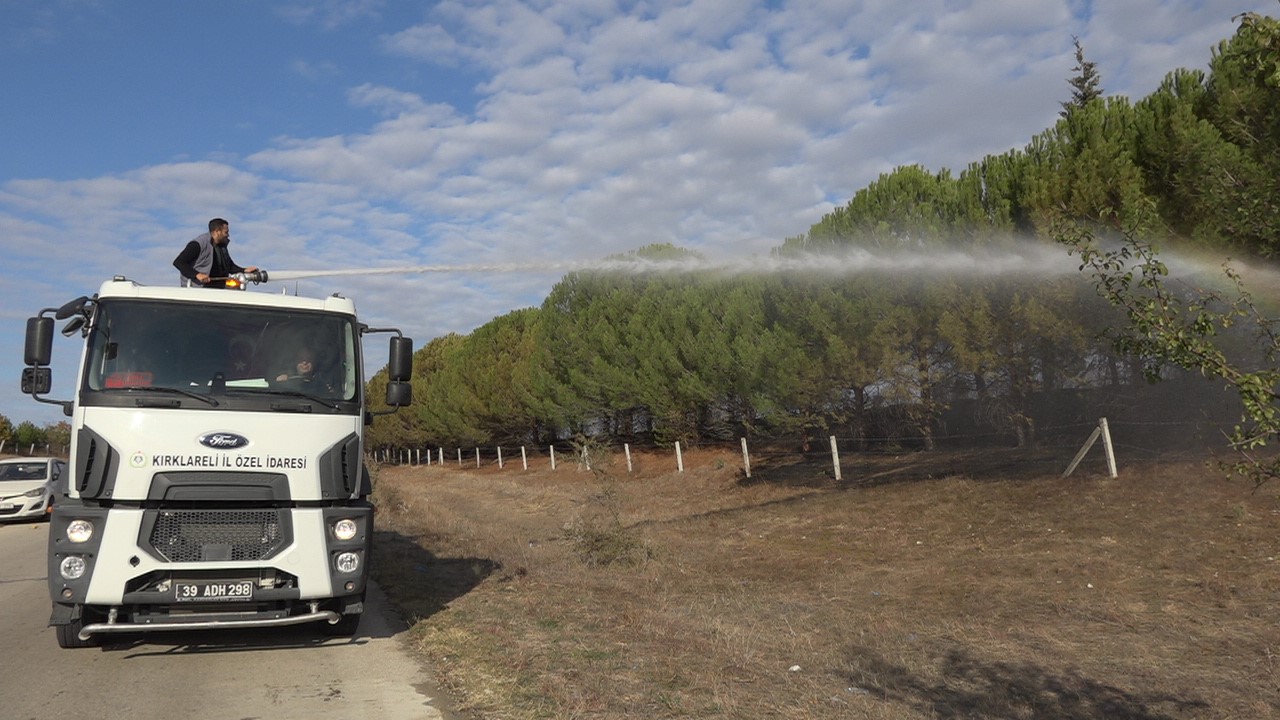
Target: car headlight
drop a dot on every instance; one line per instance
(36, 492)
(72, 567)
(347, 562)
(79, 531)
(345, 529)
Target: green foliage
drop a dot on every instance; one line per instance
(1086, 84)
(1242, 100)
(1009, 341)
(58, 435)
(1168, 325)
(484, 391)
(901, 209)
(28, 434)
(632, 355)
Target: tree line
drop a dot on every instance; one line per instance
(648, 356)
(26, 434)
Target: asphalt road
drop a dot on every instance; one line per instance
(277, 673)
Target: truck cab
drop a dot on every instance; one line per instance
(216, 476)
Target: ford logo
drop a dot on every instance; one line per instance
(223, 441)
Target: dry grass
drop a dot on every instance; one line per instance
(919, 594)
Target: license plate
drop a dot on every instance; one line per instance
(213, 591)
(7, 506)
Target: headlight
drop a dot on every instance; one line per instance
(347, 562)
(37, 492)
(72, 567)
(79, 531)
(345, 529)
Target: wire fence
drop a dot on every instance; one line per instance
(1053, 450)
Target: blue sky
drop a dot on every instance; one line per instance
(340, 134)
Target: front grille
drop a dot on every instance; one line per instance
(218, 535)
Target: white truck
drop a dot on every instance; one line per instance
(212, 482)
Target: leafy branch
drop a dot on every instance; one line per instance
(1183, 326)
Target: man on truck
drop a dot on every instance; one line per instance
(205, 262)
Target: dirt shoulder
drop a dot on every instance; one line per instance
(919, 587)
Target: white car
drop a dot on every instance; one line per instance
(27, 487)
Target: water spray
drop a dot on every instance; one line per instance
(1028, 261)
(1035, 261)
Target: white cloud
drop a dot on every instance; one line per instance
(328, 14)
(431, 43)
(494, 35)
(312, 70)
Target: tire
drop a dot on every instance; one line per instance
(69, 634)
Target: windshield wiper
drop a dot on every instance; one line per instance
(170, 390)
(296, 394)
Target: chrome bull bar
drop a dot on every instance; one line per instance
(111, 626)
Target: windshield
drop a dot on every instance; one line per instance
(224, 356)
(23, 471)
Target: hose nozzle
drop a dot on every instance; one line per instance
(240, 280)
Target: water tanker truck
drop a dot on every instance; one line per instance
(216, 476)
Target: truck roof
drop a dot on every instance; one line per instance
(121, 287)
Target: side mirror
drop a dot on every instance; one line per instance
(75, 307)
(39, 346)
(37, 380)
(399, 394)
(76, 325)
(400, 360)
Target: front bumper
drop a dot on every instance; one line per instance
(209, 623)
(25, 508)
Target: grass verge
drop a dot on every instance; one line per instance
(958, 589)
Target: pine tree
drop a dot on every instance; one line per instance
(1085, 84)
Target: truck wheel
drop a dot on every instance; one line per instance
(346, 627)
(69, 634)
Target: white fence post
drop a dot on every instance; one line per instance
(746, 459)
(477, 456)
(1103, 431)
(679, 458)
(627, 448)
(835, 457)
(524, 460)
(1106, 446)
(553, 457)
(499, 457)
